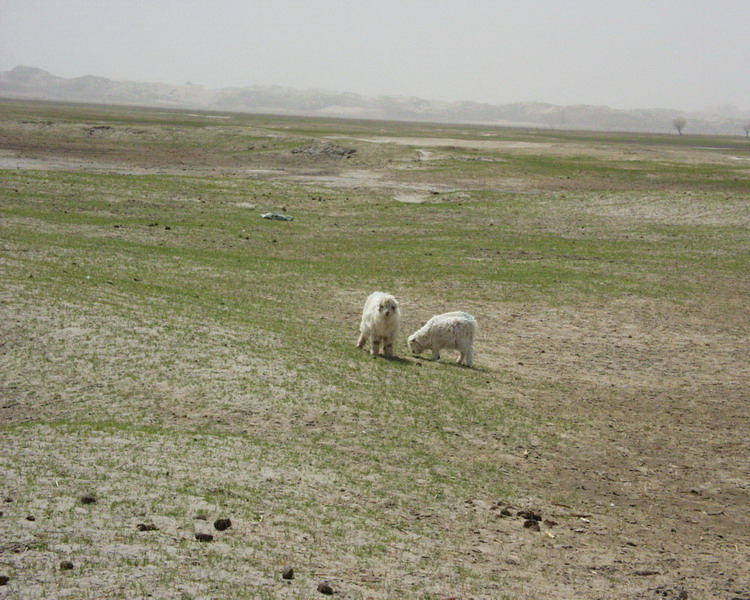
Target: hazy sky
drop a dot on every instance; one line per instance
(684, 54)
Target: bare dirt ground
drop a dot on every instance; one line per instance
(651, 497)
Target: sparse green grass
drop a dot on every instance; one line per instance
(170, 351)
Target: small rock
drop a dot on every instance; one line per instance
(204, 537)
(288, 573)
(4, 579)
(66, 565)
(505, 513)
(31, 518)
(147, 527)
(222, 524)
(532, 525)
(325, 588)
(88, 498)
(530, 515)
(167, 228)
(550, 523)
(202, 517)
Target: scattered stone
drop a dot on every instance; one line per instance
(330, 150)
(288, 573)
(98, 129)
(532, 525)
(202, 517)
(325, 588)
(646, 573)
(530, 515)
(677, 593)
(31, 518)
(147, 527)
(505, 513)
(88, 499)
(4, 579)
(550, 523)
(204, 537)
(167, 228)
(222, 524)
(66, 565)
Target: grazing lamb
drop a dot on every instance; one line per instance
(451, 331)
(380, 322)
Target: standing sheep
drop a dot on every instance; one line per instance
(381, 318)
(450, 331)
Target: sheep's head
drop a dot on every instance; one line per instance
(414, 345)
(388, 306)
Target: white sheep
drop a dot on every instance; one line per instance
(449, 331)
(381, 319)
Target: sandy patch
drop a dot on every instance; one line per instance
(455, 143)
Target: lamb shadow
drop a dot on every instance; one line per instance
(395, 359)
(453, 364)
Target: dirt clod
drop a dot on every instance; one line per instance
(31, 518)
(532, 525)
(204, 537)
(88, 499)
(325, 588)
(66, 565)
(147, 527)
(222, 524)
(288, 573)
(4, 579)
(506, 513)
(530, 515)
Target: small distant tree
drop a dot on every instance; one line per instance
(747, 129)
(679, 124)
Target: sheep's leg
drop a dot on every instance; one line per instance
(467, 356)
(435, 355)
(362, 340)
(375, 347)
(388, 349)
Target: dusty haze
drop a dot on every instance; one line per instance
(666, 53)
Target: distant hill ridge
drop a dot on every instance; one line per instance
(33, 83)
